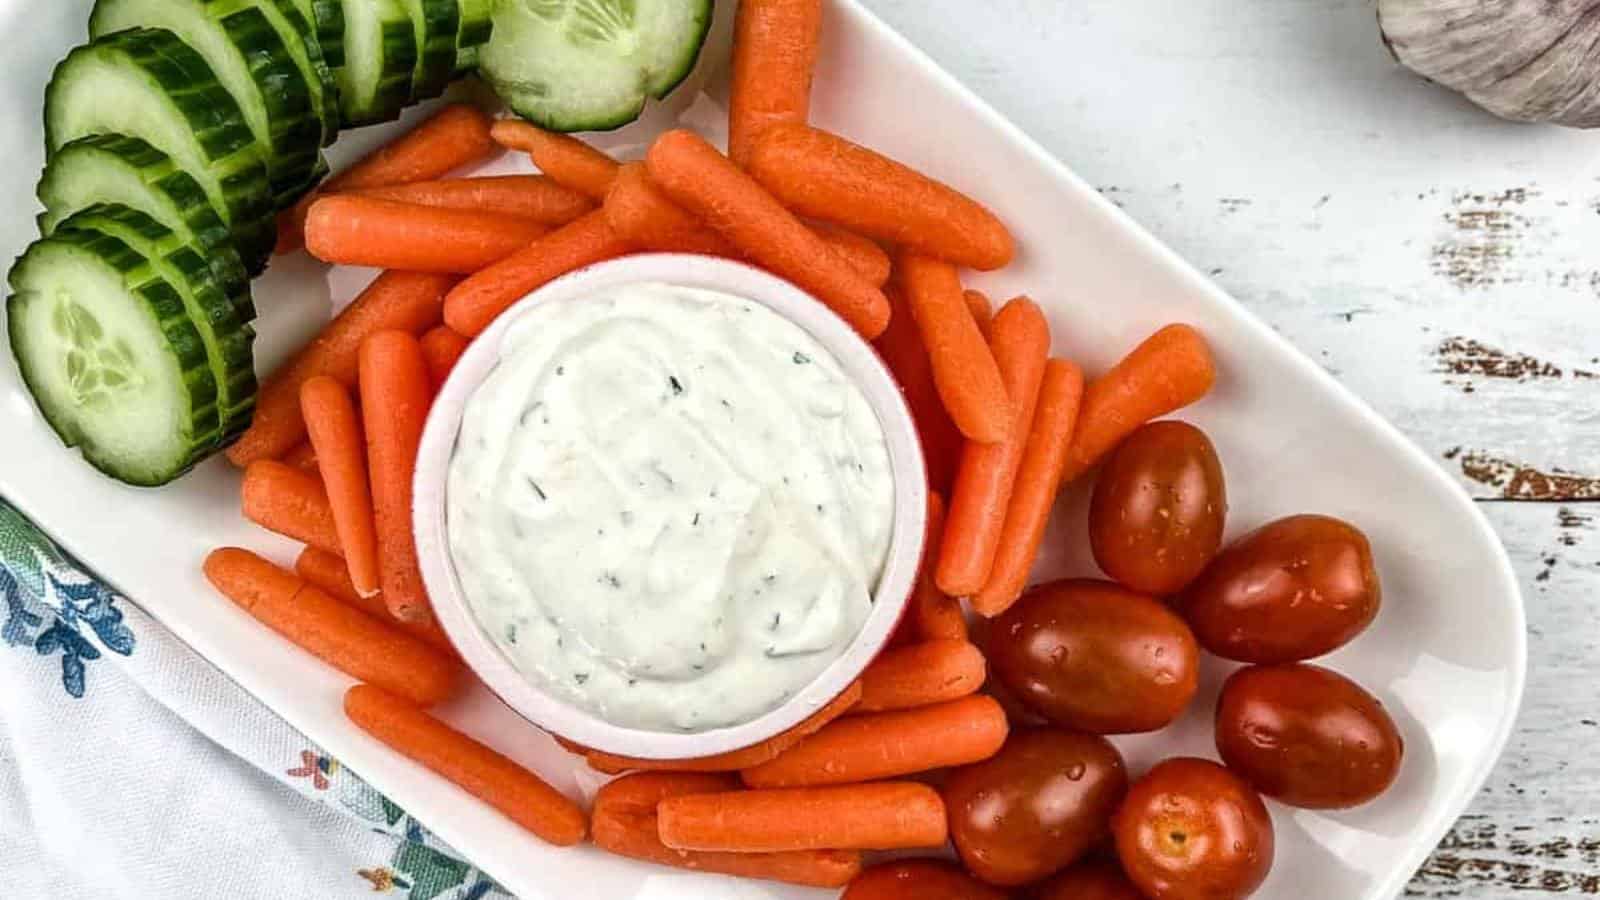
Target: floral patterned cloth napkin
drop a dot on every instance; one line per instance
(130, 767)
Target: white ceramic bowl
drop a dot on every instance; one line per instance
(857, 358)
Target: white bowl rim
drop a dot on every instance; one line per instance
(855, 355)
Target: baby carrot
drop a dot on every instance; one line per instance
(821, 175)
(921, 675)
(964, 369)
(353, 230)
(935, 615)
(341, 636)
(734, 760)
(889, 744)
(475, 302)
(453, 137)
(919, 879)
(342, 460)
(533, 197)
(708, 185)
(442, 348)
(1168, 371)
(328, 573)
(982, 310)
(302, 457)
(567, 161)
(290, 502)
(1038, 481)
(862, 253)
(395, 395)
(774, 55)
(901, 347)
(643, 216)
(624, 822)
(884, 816)
(519, 794)
(405, 301)
(988, 472)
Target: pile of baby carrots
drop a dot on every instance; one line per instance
(328, 460)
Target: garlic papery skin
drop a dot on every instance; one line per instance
(1528, 60)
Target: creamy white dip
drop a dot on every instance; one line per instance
(668, 506)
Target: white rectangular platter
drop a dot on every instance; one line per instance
(1446, 655)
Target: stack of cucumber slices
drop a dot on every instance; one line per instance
(174, 138)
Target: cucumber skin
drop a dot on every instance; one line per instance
(397, 48)
(164, 305)
(566, 121)
(210, 310)
(328, 22)
(187, 198)
(437, 24)
(214, 120)
(477, 23)
(298, 29)
(294, 128)
(670, 83)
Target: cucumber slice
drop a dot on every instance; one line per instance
(148, 84)
(249, 59)
(327, 22)
(435, 24)
(111, 357)
(228, 339)
(112, 168)
(380, 58)
(467, 59)
(590, 65)
(477, 22)
(299, 35)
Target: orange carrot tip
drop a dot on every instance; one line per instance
(567, 160)
(289, 501)
(350, 229)
(1166, 372)
(520, 795)
(402, 301)
(336, 436)
(455, 136)
(339, 634)
(396, 391)
(707, 184)
(824, 176)
(964, 368)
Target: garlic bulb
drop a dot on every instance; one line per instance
(1530, 60)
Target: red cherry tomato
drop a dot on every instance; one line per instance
(1293, 589)
(1094, 880)
(918, 879)
(1307, 736)
(1159, 503)
(1036, 806)
(1096, 657)
(1192, 830)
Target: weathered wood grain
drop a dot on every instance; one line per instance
(1377, 221)
(1441, 263)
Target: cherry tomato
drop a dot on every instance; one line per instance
(1158, 507)
(1095, 656)
(1293, 589)
(1095, 880)
(1192, 830)
(918, 879)
(1036, 806)
(1307, 736)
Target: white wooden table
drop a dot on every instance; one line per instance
(1443, 264)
